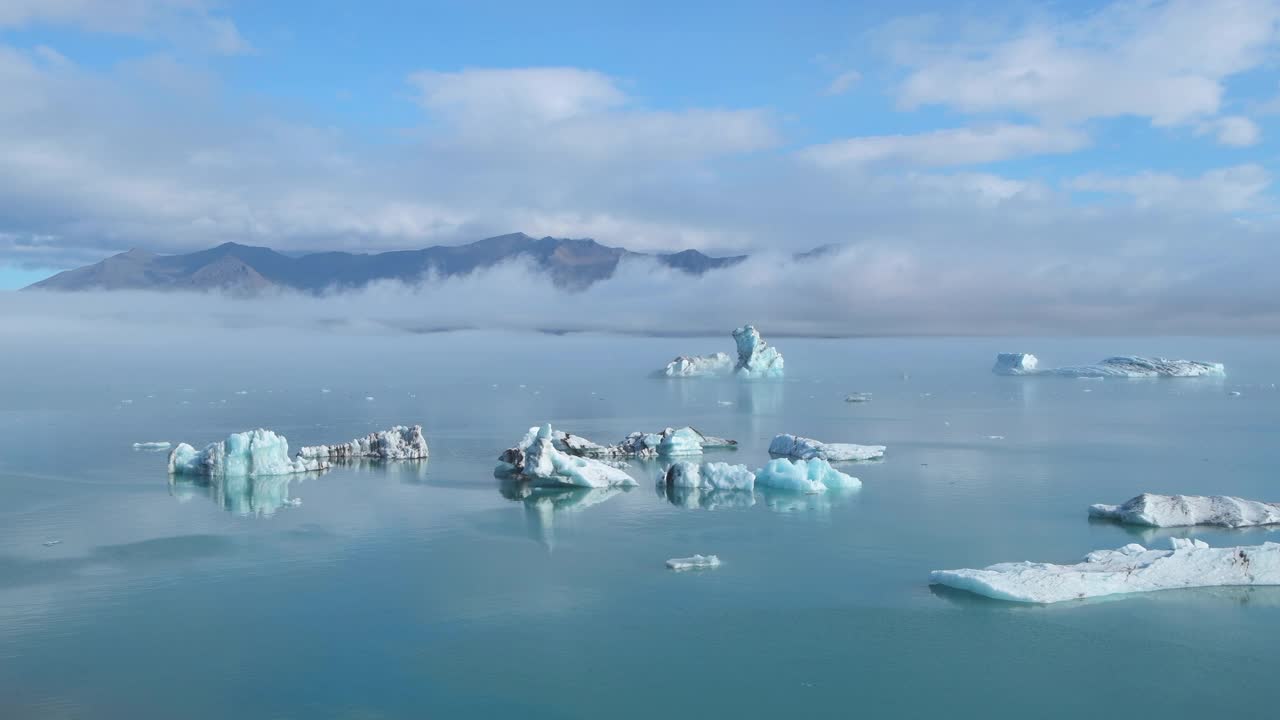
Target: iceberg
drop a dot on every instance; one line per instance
(1182, 510)
(709, 476)
(1124, 366)
(668, 443)
(696, 562)
(1130, 569)
(803, 448)
(398, 443)
(811, 476)
(152, 445)
(699, 365)
(245, 454)
(538, 460)
(756, 359)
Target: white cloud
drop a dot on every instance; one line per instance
(844, 82)
(1165, 61)
(960, 146)
(180, 20)
(1233, 131)
(1230, 189)
(541, 95)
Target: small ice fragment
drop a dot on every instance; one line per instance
(368, 398)
(244, 392)
(858, 397)
(696, 562)
(1234, 393)
(725, 403)
(293, 502)
(151, 445)
(126, 402)
(325, 390)
(51, 543)
(995, 437)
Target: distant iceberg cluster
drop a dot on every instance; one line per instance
(398, 443)
(1124, 366)
(756, 359)
(248, 454)
(1151, 510)
(803, 448)
(1130, 569)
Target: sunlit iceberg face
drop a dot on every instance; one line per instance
(756, 359)
(811, 476)
(251, 454)
(1150, 510)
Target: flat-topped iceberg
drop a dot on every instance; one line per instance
(1183, 510)
(398, 443)
(696, 562)
(254, 453)
(803, 448)
(1130, 569)
(756, 359)
(710, 476)
(804, 476)
(1124, 366)
(538, 460)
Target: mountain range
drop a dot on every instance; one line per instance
(571, 264)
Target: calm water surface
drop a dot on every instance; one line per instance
(433, 590)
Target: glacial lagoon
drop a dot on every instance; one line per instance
(432, 588)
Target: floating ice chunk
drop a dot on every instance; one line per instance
(51, 543)
(711, 476)
(699, 365)
(756, 359)
(1234, 393)
(257, 452)
(860, 397)
(399, 443)
(1183, 510)
(369, 398)
(806, 476)
(696, 562)
(685, 441)
(242, 392)
(539, 461)
(152, 445)
(668, 443)
(1130, 569)
(803, 448)
(1125, 366)
(325, 390)
(724, 403)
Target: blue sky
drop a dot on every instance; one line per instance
(1134, 130)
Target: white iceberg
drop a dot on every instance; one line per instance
(756, 359)
(668, 443)
(253, 453)
(539, 461)
(1130, 569)
(803, 448)
(1183, 510)
(804, 476)
(696, 562)
(699, 365)
(399, 443)
(709, 476)
(1124, 366)
(162, 445)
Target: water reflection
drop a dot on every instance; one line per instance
(700, 499)
(259, 496)
(542, 504)
(789, 501)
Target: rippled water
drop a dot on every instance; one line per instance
(430, 589)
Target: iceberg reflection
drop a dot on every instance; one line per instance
(260, 495)
(542, 504)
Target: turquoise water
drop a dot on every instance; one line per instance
(433, 590)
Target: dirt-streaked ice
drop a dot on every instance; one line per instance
(1130, 569)
(1124, 366)
(539, 461)
(398, 443)
(1183, 510)
(710, 476)
(803, 448)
